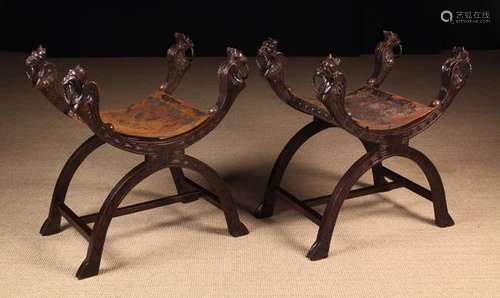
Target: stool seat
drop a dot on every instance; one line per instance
(159, 115)
(378, 110)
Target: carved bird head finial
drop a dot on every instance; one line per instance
(183, 49)
(38, 54)
(330, 63)
(269, 46)
(34, 64)
(183, 41)
(236, 58)
(235, 55)
(269, 60)
(328, 76)
(457, 68)
(391, 38)
(388, 50)
(329, 66)
(460, 54)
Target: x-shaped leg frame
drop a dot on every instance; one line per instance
(188, 191)
(371, 160)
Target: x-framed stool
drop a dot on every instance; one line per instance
(159, 127)
(383, 122)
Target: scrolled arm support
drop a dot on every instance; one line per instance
(78, 97)
(179, 57)
(232, 75)
(454, 73)
(386, 53)
(44, 77)
(82, 96)
(330, 86)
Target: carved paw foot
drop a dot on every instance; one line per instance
(318, 251)
(444, 221)
(87, 269)
(50, 226)
(263, 211)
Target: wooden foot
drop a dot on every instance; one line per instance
(224, 198)
(90, 266)
(87, 269)
(52, 225)
(237, 229)
(264, 210)
(441, 216)
(444, 221)
(318, 251)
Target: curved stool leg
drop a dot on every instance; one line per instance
(266, 207)
(319, 249)
(90, 266)
(378, 176)
(235, 226)
(52, 224)
(441, 216)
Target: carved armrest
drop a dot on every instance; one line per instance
(271, 63)
(386, 52)
(76, 97)
(454, 73)
(84, 98)
(330, 86)
(179, 57)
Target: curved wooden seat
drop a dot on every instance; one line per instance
(159, 115)
(379, 110)
(376, 109)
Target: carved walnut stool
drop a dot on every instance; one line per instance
(160, 127)
(383, 122)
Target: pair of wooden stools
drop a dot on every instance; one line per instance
(161, 127)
